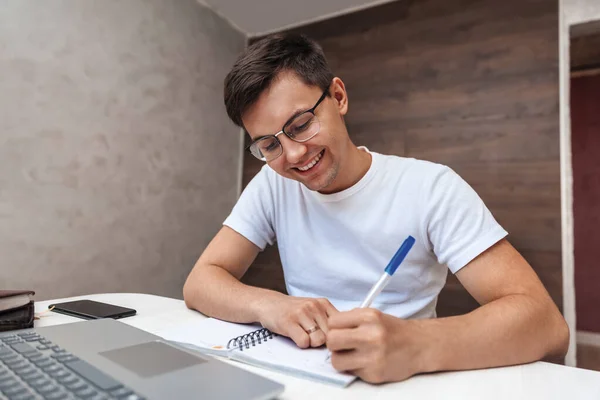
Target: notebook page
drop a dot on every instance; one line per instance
(279, 353)
(208, 333)
(282, 354)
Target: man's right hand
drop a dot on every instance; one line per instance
(295, 317)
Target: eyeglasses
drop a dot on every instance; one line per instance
(299, 128)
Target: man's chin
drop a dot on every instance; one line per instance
(319, 186)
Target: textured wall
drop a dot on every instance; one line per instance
(117, 161)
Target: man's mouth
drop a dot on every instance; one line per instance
(312, 162)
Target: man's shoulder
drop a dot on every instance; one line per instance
(411, 168)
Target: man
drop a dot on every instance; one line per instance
(339, 213)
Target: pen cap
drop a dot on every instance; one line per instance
(400, 255)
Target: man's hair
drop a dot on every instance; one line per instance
(259, 65)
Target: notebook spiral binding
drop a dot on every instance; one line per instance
(250, 339)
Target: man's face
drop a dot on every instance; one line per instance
(287, 96)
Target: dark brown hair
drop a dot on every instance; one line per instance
(256, 68)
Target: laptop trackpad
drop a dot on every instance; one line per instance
(150, 359)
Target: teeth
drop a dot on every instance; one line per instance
(311, 164)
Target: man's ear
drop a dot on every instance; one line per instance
(338, 92)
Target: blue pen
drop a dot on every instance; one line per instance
(387, 275)
(389, 271)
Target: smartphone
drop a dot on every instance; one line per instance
(88, 309)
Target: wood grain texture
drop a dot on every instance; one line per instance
(588, 357)
(472, 84)
(585, 52)
(585, 139)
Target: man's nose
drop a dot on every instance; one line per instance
(294, 151)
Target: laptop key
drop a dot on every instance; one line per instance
(77, 385)
(43, 362)
(20, 366)
(8, 383)
(64, 357)
(100, 396)
(58, 373)
(22, 396)
(51, 368)
(133, 397)
(6, 356)
(5, 350)
(86, 393)
(32, 377)
(13, 361)
(68, 379)
(15, 390)
(34, 356)
(121, 392)
(56, 396)
(47, 389)
(93, 374)
(38, 382)
(12, 341)
(23, 348)
(28, 370)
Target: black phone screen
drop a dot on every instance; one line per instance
(89, 309)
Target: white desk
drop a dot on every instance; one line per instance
(532, 381)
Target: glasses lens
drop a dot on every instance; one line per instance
(266, 149)
(303, 127)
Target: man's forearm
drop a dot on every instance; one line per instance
(215, 292)
(512, 330)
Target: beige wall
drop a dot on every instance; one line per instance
(581, 11)
(117, 161)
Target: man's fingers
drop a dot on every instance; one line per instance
(344, 339)
(320, 318)
(317, 338)
(299, 335)
(329, 308)
(347, 360)
(344, 320)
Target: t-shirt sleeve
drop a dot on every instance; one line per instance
(252, 215)
(458, 224)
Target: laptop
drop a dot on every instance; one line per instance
(107, 359)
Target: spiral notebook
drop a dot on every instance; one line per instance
(257, 346)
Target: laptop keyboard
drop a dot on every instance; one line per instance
(31, 367)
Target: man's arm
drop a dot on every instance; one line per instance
(215, 279)
(214, 288)
(517, 323)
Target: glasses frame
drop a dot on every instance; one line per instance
(288, 122)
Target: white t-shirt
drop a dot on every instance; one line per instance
(338, 245)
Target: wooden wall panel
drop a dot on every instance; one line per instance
(472, 84)
(585, 52)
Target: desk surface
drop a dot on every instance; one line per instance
(538, 380)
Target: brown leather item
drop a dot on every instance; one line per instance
(17, 318)
(10, 293)
(11, 299)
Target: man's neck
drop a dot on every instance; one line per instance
(352, 168)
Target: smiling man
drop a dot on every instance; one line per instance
(338, 213)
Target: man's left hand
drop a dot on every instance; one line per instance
(374, 346)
